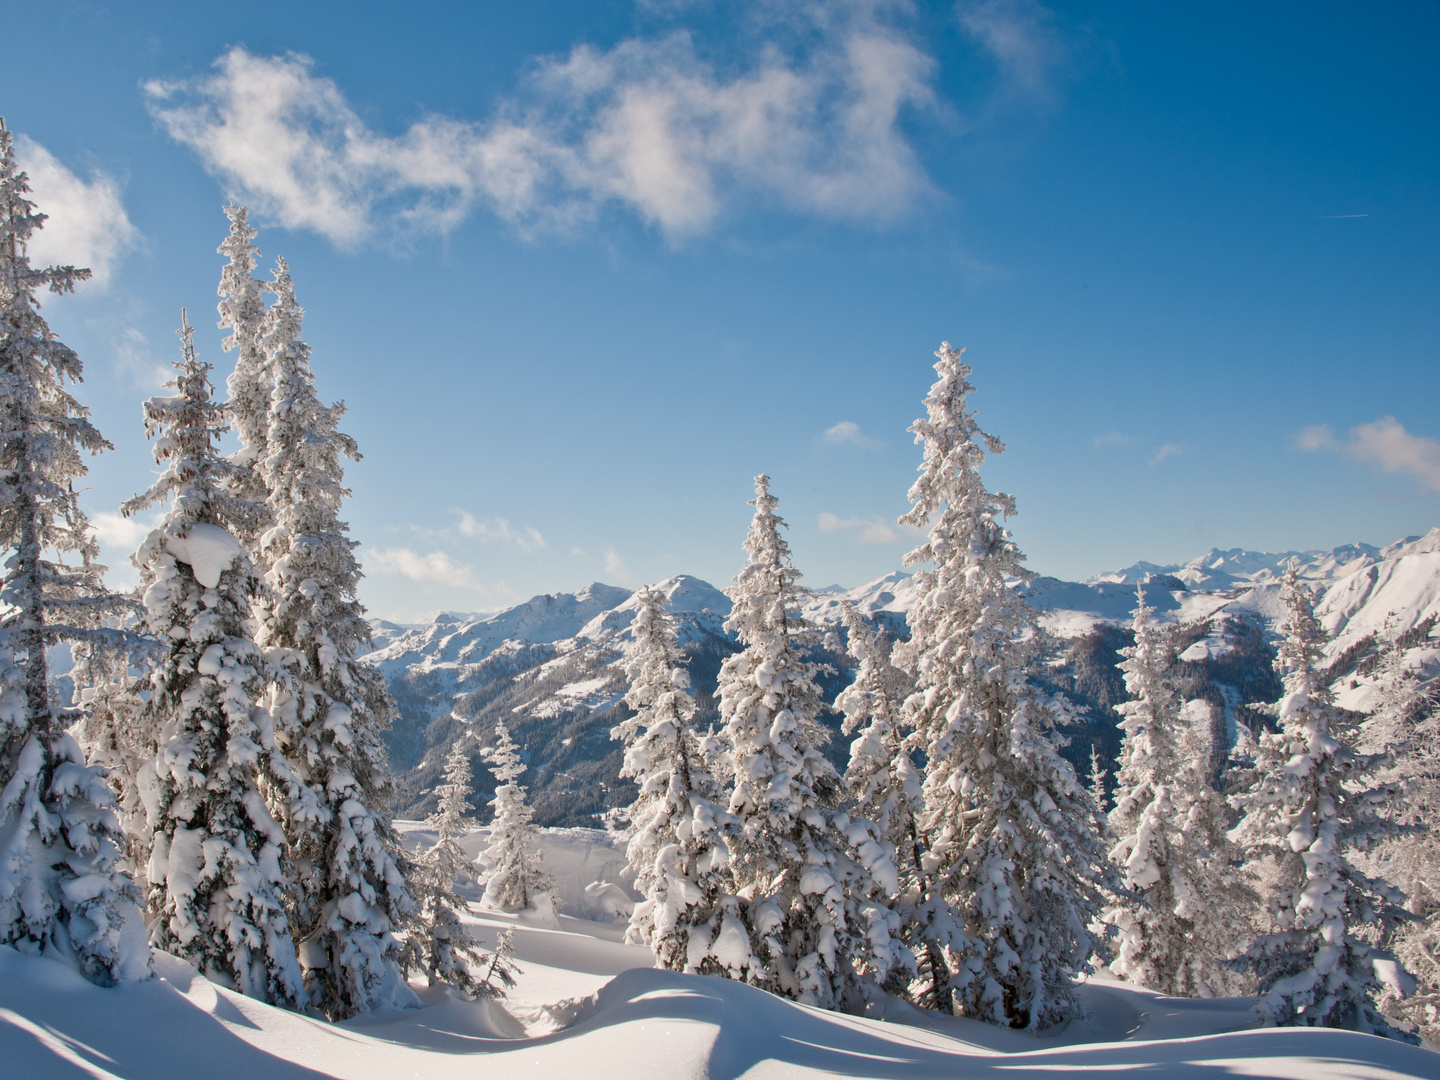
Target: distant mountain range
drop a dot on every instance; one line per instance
(552, 667)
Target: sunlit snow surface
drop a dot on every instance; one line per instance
(588, 1006)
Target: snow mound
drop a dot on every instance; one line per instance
(638, 1022)
(209, 549)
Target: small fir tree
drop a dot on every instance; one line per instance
(61, 892)
(215, 871)
(515, 879)
(1013, 855)
(1178, 923)
(503, 968)
(815, 880)
(441, 945)
(115, 735)
(1310, 804)
(329, 708)
(882, 778)
(1098, 774)
(678, 836)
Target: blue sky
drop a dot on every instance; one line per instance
(581, 270)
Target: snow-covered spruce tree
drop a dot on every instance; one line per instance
(678, 838)
(882, 778)
(242, 312)
(216, 880)
(329, 709)
(814, 880)
(115, 735)
(1180, 921)
(1096, 783)
(440, 945)
(1311, 803)
(1014, 862)
(60, 890)
(515, 878)
(1406, 723)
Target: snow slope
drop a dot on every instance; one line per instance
(589, 1006)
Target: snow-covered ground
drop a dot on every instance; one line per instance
(589, 1007)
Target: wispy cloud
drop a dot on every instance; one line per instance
(1112, 440)
(1384, 443)
(135, 359)
(1168, 450)
(435, 566)
(810, 121)
(497, 530)
(848, 433)
(86, 223)
(122, 533)
(1022, 38)
(865, 530)
(615, 566)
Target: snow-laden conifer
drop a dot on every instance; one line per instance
(514, 874)
(441, 946)
(1013, 852)
(678, 847)
(1311, 804)
(116, 736)
(60, 890)
(814, 879)
(1406, 724)
(881, 778)
(1178, 923)
(216, 880)
(329, 709)
(242, 312)
(1096, 783)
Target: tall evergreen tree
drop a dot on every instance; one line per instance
(1313, 802)
(678, 838)
(1013, 853)
(815, 879)
(329, 709)
(441, 945)
(60, 890)
(1406, 724)
(515, 877)
(216, 880)
(1179, 923)
(242, 312)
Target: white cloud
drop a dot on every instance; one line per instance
(134, 358)
(648, 124)
(1168, 450)
(1384, 443)
(847, 432)
(1112, 440)
(499, 531)
(615, 566)
(436, 566)
(86, 223)
(579, 553)
(866, 531)
(115, 531)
